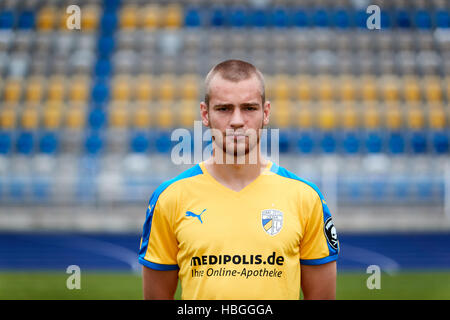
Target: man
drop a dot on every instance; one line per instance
(240, 229)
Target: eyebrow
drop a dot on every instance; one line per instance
(242, 105)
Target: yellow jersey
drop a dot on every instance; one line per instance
(238, 245)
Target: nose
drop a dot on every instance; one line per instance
(237, 120)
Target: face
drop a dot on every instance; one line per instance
(235, 114)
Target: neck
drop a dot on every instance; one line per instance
(240, 171)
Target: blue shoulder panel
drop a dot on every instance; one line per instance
(326, 211)
(195, 170)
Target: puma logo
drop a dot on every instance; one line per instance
(198, 216)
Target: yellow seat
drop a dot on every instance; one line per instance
(371, 116)
(347, 90)
(394, 117)
(447, 87)
(190, 87)
(167, 87)
(8, 118)
(349, 117)
(165, 115)
(304, 116)
(75, 117)
(282, 113)
(30, 118)
(172, 16)
(142, 116)
(90, 17)
(324, 88)
(35, 89)
(52, 117)
(129, 17)
(326, 117)
(118, 117)
(303, 88)
(79, 89)
(12, 91)
(432, 89)
(411, 89)
(47, 18)
(368, 87)
(56, 88)
(144, 88)
(150, 17)
(122, 88)
(282, 90)
(188, 112)
(389, 88)
(415, 117)
(436, 117)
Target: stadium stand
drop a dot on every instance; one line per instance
(134, 71)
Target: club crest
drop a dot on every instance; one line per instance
(272, 221)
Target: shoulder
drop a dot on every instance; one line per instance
(168, 187)
(299, 184)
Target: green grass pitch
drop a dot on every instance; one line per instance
(109, 286)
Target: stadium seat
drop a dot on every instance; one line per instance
(139, 142)
(8, 118)
(218, 16)
(396, 142)
(90, 18)
(12, 90)
(280, 17)
(35, 90)
(432, 89)
(144, 88)
(97, 118)
(341, 18)
(5, 142)
(321, 18)
(79, 88)
(442, 18)
(129, 17)
(418, 141)
(46, 19)
(422, 19)
(52, 117)
(26, 20)
(351, 141)
(173, 16)
(300, 18)
(374, 141)
(94, 143)
(100, 92)
(402, 18)
(118, 117)
(7, 19)
(150, 17)
(122, 88)
(411, 89)
(109, 22)
(25, 142)
(142, 117)
(49, 142)
(238, 17)
(75, 118)
(440, 141)
(306, 142)
(192, 17)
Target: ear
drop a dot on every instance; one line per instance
(266, 113)
(204, 113)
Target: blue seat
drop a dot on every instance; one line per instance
(351, 142)
(26, 20)
(5, 142)
(341, 18)
(396, 142)
(163, 144)
(280, 18)
(109, 22)
(300, 18)
(139, 142)
(306, 143)
(192, 18)
(440, 141)
(106, 45)
(25, 142)
(360, 19)
(97, 118)
(442, 19)
(328, 142)
(259, 18)
(374, 141)
(402, 18)
(7, 19)
(100, 92)
(103, 68)
(284, 141)
(419, 142)
(386, 19)
(112, 5)
(49, 143)
(40, 189)
(238, 17)
(218, 17)
(93, 143)
(321, 18)
(422, 19)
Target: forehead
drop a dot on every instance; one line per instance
(222, 90)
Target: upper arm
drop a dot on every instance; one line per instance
(159, 285)
(318, 282)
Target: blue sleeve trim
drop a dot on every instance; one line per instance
(326, 211)
(196, 170)
(315, 262)
(158, 266)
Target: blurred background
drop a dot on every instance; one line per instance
(86, 118)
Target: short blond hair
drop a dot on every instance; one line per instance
(234, 71)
